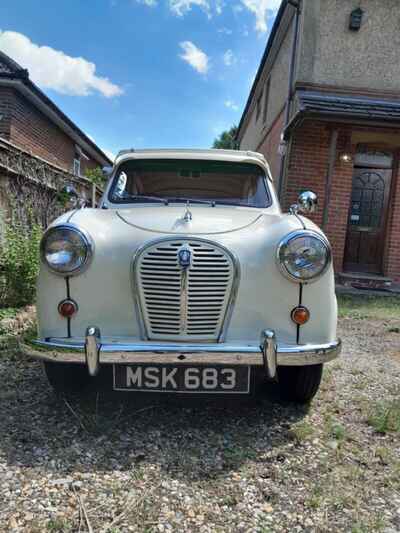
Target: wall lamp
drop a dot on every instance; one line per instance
(356, 17)
(346, 157)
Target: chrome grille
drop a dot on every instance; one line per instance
(184, 303)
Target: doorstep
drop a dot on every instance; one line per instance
(358, 283)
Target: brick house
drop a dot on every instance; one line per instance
(325, 111)
(41, 150)
(30, 120)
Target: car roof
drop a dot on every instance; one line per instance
(241, 156)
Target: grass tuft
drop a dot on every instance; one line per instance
(302, 431)
(376, 307)
(384, 417)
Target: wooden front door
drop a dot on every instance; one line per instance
(367, 220)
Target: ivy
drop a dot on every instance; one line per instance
(19, 264)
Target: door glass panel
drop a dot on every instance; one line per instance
(375, 158)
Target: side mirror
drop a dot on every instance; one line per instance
(307, 202)
(71, 198)
(107, 171)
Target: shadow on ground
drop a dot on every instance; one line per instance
(105, 431)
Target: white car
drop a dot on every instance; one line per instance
(188, 278)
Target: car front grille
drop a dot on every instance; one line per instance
(181, 301)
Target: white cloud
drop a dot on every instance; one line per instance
(194, 56)
(219, 5)
(149, 3)
(260, 8)
(225, 31)
(229, 58)
(181, 7)
(52, 69)
(231, 105)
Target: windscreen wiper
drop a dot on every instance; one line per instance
(191, 200)
(145, 197)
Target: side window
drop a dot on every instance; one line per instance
(266, 99)
(77, 165)
(259, 105)
(121, 185)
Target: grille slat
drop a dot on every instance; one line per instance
(179, 303)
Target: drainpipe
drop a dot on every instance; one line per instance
(297, 5)
(329, 176)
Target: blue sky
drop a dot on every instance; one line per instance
(141, 73)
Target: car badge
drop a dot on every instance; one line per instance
(184, 257)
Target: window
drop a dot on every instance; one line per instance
(77, 166)
(266, 99)
(259, 105)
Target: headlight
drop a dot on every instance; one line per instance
(66, 249)
(304, 256)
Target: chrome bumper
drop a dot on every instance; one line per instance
(269, 354)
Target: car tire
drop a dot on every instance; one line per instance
(66, 378)
(299, 383)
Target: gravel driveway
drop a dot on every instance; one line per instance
(116, 464)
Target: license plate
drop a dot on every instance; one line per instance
(182, 379)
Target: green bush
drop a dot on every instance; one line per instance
(19, 264)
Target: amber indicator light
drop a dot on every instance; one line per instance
(300, 315)
(67, 308)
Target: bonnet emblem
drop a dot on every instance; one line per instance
(187, 217)
(184, 257)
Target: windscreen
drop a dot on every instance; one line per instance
(213, 182)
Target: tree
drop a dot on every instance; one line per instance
(96, 176)
(98, 179)
(227, 140)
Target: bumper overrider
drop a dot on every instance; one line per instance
(270, 354)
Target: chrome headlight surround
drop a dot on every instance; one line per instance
(298, 234)
(85, 241)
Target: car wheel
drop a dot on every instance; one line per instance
(65, 377)
(299, 383)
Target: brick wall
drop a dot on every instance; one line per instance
(307, 170)
(30, 129)
(392, 248)
(308, 159)
(34, 132)
(6, 103)
(269, 146)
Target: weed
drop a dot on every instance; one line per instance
(301, 431)
(58, 525)
(384, 416)
(19, 264)
(376, 524)
(334, 429)
(379, 307)
(338, 431)
(316, 498)
(230, 500)
(236, 456)
(384, 455)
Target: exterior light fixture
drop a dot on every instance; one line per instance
(356, 19)
(282, 147)
(346, 157)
